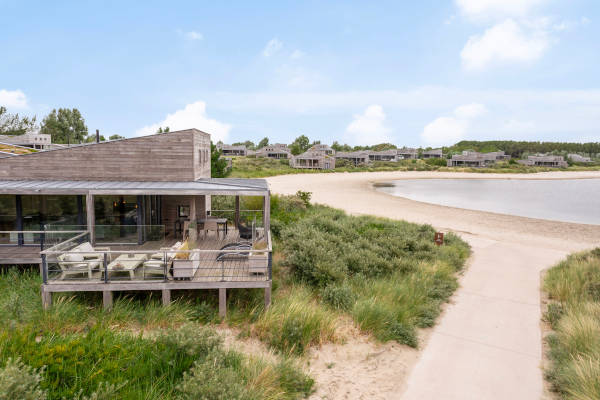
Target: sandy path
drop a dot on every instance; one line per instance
(487, 344)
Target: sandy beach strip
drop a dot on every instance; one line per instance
(487, 343)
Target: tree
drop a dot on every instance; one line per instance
(218, 165)
(115, 137)
(166, 129)
(300, 145)
(65, 126)
(249, 144)
(264, 142)
(92, 139)
(12, 124)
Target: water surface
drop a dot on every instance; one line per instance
(572, 200)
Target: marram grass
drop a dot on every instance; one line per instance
(574, 347)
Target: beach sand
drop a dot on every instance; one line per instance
(487, 343)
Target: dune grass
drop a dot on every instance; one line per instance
(387, 275)
(574, 315)
(80, 349)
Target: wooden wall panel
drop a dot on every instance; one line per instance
(163, 157)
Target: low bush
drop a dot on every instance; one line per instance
(296, 321)
(574, 314)
(19, 381)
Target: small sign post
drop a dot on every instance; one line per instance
(439, 238)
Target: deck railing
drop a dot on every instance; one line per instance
(76, 261)
(41, 238)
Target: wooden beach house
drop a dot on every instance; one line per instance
(133, 215)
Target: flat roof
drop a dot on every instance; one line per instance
(214, 186)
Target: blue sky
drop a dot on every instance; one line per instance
(424, 73)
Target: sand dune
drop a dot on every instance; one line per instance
(487, 344)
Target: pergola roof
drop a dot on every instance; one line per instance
(211, 186)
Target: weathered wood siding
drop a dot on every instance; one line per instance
(175, 156)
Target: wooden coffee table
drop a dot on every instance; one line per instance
(127, 263)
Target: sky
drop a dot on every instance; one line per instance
(426, 73)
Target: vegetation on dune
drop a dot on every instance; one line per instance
(329, 269)
(573, 287)
(260, 167)
(388, 275)
(80, 351)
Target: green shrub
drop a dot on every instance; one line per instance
(339, 296)
(19, 381)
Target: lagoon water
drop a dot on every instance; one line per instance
(573, 200)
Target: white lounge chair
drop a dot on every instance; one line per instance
(80, 260)
(156, 264)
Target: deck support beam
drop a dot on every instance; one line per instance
(166, 297)
(107, 299)
(267, 298)
(46, 299)
(267, 212)
(222, 302)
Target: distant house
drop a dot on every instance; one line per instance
(384, 155)
(406, 154)
(322, 148)
(476, 159)
(437, 153)
(313, 160)
(34, 140)
(355, 157)
(231, 150)
(545, 161)
(579, 158)
(277, 150)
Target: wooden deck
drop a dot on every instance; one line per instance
(211, 274)
(20, 254)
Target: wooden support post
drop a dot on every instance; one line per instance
(222, 302)
(91, 218)
(140, 218)
(46, 298)
(267, 212)
(19, 212)
(237, 211)
(166, 297)
(267, 297)
(107, 299)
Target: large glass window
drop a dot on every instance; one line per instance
(42, 210)
(116, 219)
(8, 212)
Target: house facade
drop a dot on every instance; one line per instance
(436, 153)
(406, 153)
(277, 150)
(229, 150)
(356, 158)
(545, 161)
(132, 214)
(579, 158)
(34, 140)
(476, 160)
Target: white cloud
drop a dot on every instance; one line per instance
(506, 42)
(493, 9)
(368, 127)
(469, 111)
(272, 47)
(193, 35)
(192, 116)
(297, 54)
(449, 130)
(444, 131)
(13, 99)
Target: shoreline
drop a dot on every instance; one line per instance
(487, 343)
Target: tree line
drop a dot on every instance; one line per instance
(518, 149)
(64, 125)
